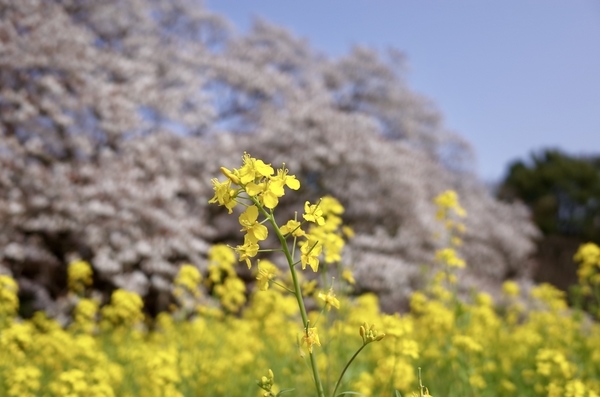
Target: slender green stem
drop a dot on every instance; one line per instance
(345, 368)
(283, 287)
(297, 291)
(270, 250)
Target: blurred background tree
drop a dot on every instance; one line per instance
(563, 193)
(115, 115)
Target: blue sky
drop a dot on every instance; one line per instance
(510, 76)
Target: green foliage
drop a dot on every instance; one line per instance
(562, 191)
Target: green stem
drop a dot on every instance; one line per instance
(297, 291)
(282, 286)
(345, 368)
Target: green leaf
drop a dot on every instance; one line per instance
(284, 391)
(355, 393)
(397, 393)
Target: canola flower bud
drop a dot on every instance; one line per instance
(230, 175)
(370, 335)
(266, 383)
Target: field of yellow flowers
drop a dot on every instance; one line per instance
(299, 331)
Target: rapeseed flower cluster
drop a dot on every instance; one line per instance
(187, 281)
(9, 301)
(124, 310)
(588, 256)
(259, 190)
(464, 348)
(223, 279)
(449, 213)
(79, 276)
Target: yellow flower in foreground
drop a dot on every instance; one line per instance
(313, 213)
(311, 338)
(224, 194)
(247, 251)
(283, 178)
(292, 227)
(310, 253)
(329, 299)
(253, 169)
(254, 230)
(266, 272)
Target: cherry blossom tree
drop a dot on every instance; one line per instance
(115, 115)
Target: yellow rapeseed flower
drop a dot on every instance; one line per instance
(311, 338)
(330, 205)
(329, 299)
(125, 309)
(510, 288)
(266, 272)
(221, 254)
(313, 213)
(23, 381)
(588, 256)
(446, 201)
(254, 230)
(84, 316)
(292, 227)
(188, 277)
(466, 343)
(550, 295)
(246, 251)
(79, 275)
(310, 254)
(224, 194)
(253, 169)
(348, 276)
(9, 301)
(447, 256)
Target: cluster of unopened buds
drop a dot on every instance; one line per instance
(369, 334)
(266, 383)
